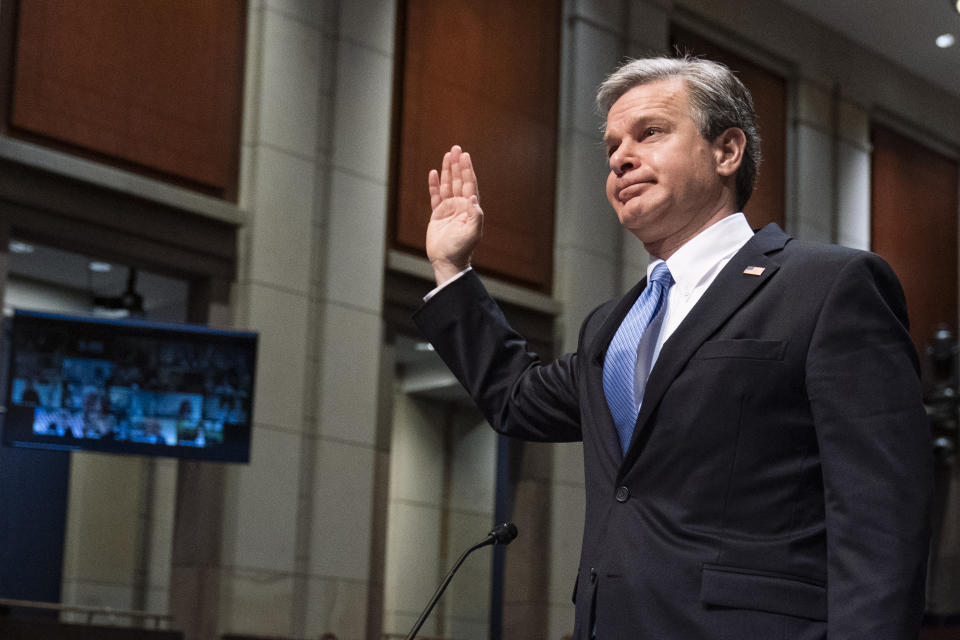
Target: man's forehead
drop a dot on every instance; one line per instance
(659, 97)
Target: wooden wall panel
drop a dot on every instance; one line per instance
(769, 91)
(914, 208)
(154, 83)
(484, 75)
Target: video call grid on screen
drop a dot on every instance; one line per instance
(129, 387)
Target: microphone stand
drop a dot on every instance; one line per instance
(501, 534)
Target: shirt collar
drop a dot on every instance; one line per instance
(701, 257)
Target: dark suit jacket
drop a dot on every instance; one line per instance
(778, 481)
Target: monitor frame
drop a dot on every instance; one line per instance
(128, 386)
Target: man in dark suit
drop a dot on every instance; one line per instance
(762, 470)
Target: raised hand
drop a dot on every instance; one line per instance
(456, 223)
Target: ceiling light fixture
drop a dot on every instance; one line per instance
(945, 40)
(100, 267)
(17, 246)
(957, 6)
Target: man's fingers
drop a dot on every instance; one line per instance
(456, 176)
(446, 187)
(433, 184)
(469, 177)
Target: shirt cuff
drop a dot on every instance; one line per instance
(448, 281)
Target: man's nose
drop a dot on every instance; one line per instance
(621, 161)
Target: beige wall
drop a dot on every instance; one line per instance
(119, 531)
(297, 533)
(442, 478)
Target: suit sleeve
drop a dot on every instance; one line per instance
(876, 458)
(517, 393)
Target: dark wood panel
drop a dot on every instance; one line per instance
(153, 83)
(769, 91)
(913, 195)
(485, 76)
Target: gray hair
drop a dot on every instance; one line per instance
(718, 100)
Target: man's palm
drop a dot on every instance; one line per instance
(456, 223)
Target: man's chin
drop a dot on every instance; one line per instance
(633, 218)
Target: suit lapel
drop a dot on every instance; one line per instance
(733, 286)
(606, 429)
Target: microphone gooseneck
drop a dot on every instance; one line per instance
(500, 534)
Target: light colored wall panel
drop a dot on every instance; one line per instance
(633, 260)
(560, 619)
(103, 527)
(413, 568)
(281, 242)
(256, 603)
(567, 527)
(289, 83)
(158, 599)
(814, 104)
(594, 53)
(568, 464)
(261, 504)
(342, 510)
(814, 207)
(162, 508)
(361, 142)
(416, 451)
(280, 317)
(334, 608)
(474, 464)
(584, 218)
(584, 281)
(467, 600)
(350, 361)
(312, 12)
(853, 225)
(355, 241)
(370, 23)
(88, 593)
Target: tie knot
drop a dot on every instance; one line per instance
(661, 275)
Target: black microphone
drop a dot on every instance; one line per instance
(503, 533)
(500, 534)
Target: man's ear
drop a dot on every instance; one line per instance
(728, 149)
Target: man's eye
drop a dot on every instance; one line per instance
(650, 131)
(610, 150)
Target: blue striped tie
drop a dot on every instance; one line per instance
(620, 363)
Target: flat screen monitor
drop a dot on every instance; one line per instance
(128, 386)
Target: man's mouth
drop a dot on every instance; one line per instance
(632, 190)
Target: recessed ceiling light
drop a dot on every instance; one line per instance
(100, 267)
(17, 246)
(957, 6)
(946, 40)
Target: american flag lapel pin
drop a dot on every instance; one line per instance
(754, 271)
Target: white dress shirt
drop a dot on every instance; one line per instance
(694, 267)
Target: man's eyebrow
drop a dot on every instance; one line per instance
(643, 120)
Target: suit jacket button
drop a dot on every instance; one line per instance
(593, 576)
(623, 494)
